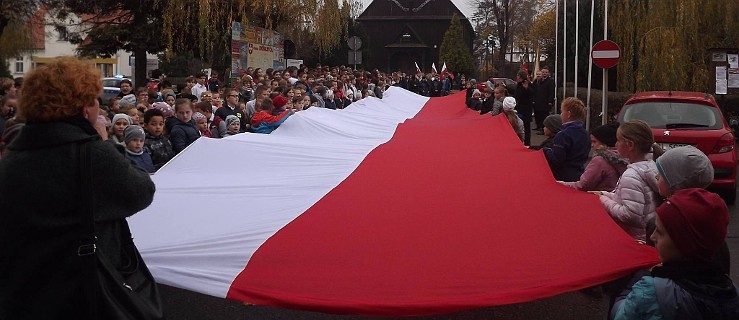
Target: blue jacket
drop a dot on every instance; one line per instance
(569, 152)
(143, 160)
(182, 135)
(653, 298)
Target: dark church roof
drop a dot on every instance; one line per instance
(411, 9)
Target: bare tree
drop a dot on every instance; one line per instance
(506, 19)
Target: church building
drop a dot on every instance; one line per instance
(404, 32)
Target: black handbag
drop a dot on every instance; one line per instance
(126, 293)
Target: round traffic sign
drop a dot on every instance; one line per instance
(606, 54)
(354, 43)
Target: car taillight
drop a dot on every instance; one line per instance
(725, 144)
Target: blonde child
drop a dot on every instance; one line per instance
(183, 131)
(636, 196)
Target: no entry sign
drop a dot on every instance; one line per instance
(606, 54)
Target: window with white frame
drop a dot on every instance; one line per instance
(19, 65)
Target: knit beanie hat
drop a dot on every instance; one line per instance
(606, 134)
(685, 167)
(553, 123)
(279, 102)
(197, 116)
(165, 108)
(696, 221)
(133, 132)
(509, 103)
(127, 100)
(474, 92)
(119, 116)
(231, 119)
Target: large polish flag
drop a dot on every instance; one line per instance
(401, 206)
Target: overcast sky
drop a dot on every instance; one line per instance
(462, 5)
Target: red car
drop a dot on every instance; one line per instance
(689, 118)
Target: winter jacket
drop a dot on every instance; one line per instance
(544, 93)
(182, 135)
(544, 144)
(40, 231)
(474, 104)
(159, 148)
(653, 297)
(487, 105)
(497, 107)
(569, 152)
(142, 160)
(635, 198)
(264, 122)
(225, 111)
(602, 172)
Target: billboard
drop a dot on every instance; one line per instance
(255, 47)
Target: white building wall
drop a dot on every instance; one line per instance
(54, 47)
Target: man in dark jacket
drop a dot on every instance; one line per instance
(524, 94)
(543, 98)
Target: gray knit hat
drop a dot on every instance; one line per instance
(127, 100)
(133, 132)
(685, 167)
(230, 120)
(554, 123)
(119, 116)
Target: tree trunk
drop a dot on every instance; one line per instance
(140, 67)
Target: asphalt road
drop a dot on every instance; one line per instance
(182, 304)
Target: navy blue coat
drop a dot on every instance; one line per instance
(182, 135)
(569, 152)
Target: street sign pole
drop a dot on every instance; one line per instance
(604, 120)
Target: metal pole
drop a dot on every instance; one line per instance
(577, 41)
(590, 64)
(605, 71)
(564, 52)
(556, 53)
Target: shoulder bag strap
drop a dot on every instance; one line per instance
(88, 242)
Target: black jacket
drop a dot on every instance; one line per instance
(543, 93)
(40, 222)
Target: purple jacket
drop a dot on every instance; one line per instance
(602, 172)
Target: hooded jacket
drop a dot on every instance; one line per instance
(602, 172)
(635, 199)
(569, 152)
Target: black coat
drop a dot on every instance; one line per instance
(543, 94)
(40, 228)
(524, 98)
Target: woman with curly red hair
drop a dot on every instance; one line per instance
(42, 227)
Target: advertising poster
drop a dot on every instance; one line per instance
(255, 47)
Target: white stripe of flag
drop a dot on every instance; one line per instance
(606, 54)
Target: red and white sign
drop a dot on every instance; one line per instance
(606, 54)
(376, 209)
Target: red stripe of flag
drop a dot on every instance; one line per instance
(452, 213)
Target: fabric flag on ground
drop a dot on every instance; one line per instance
(400, 206)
